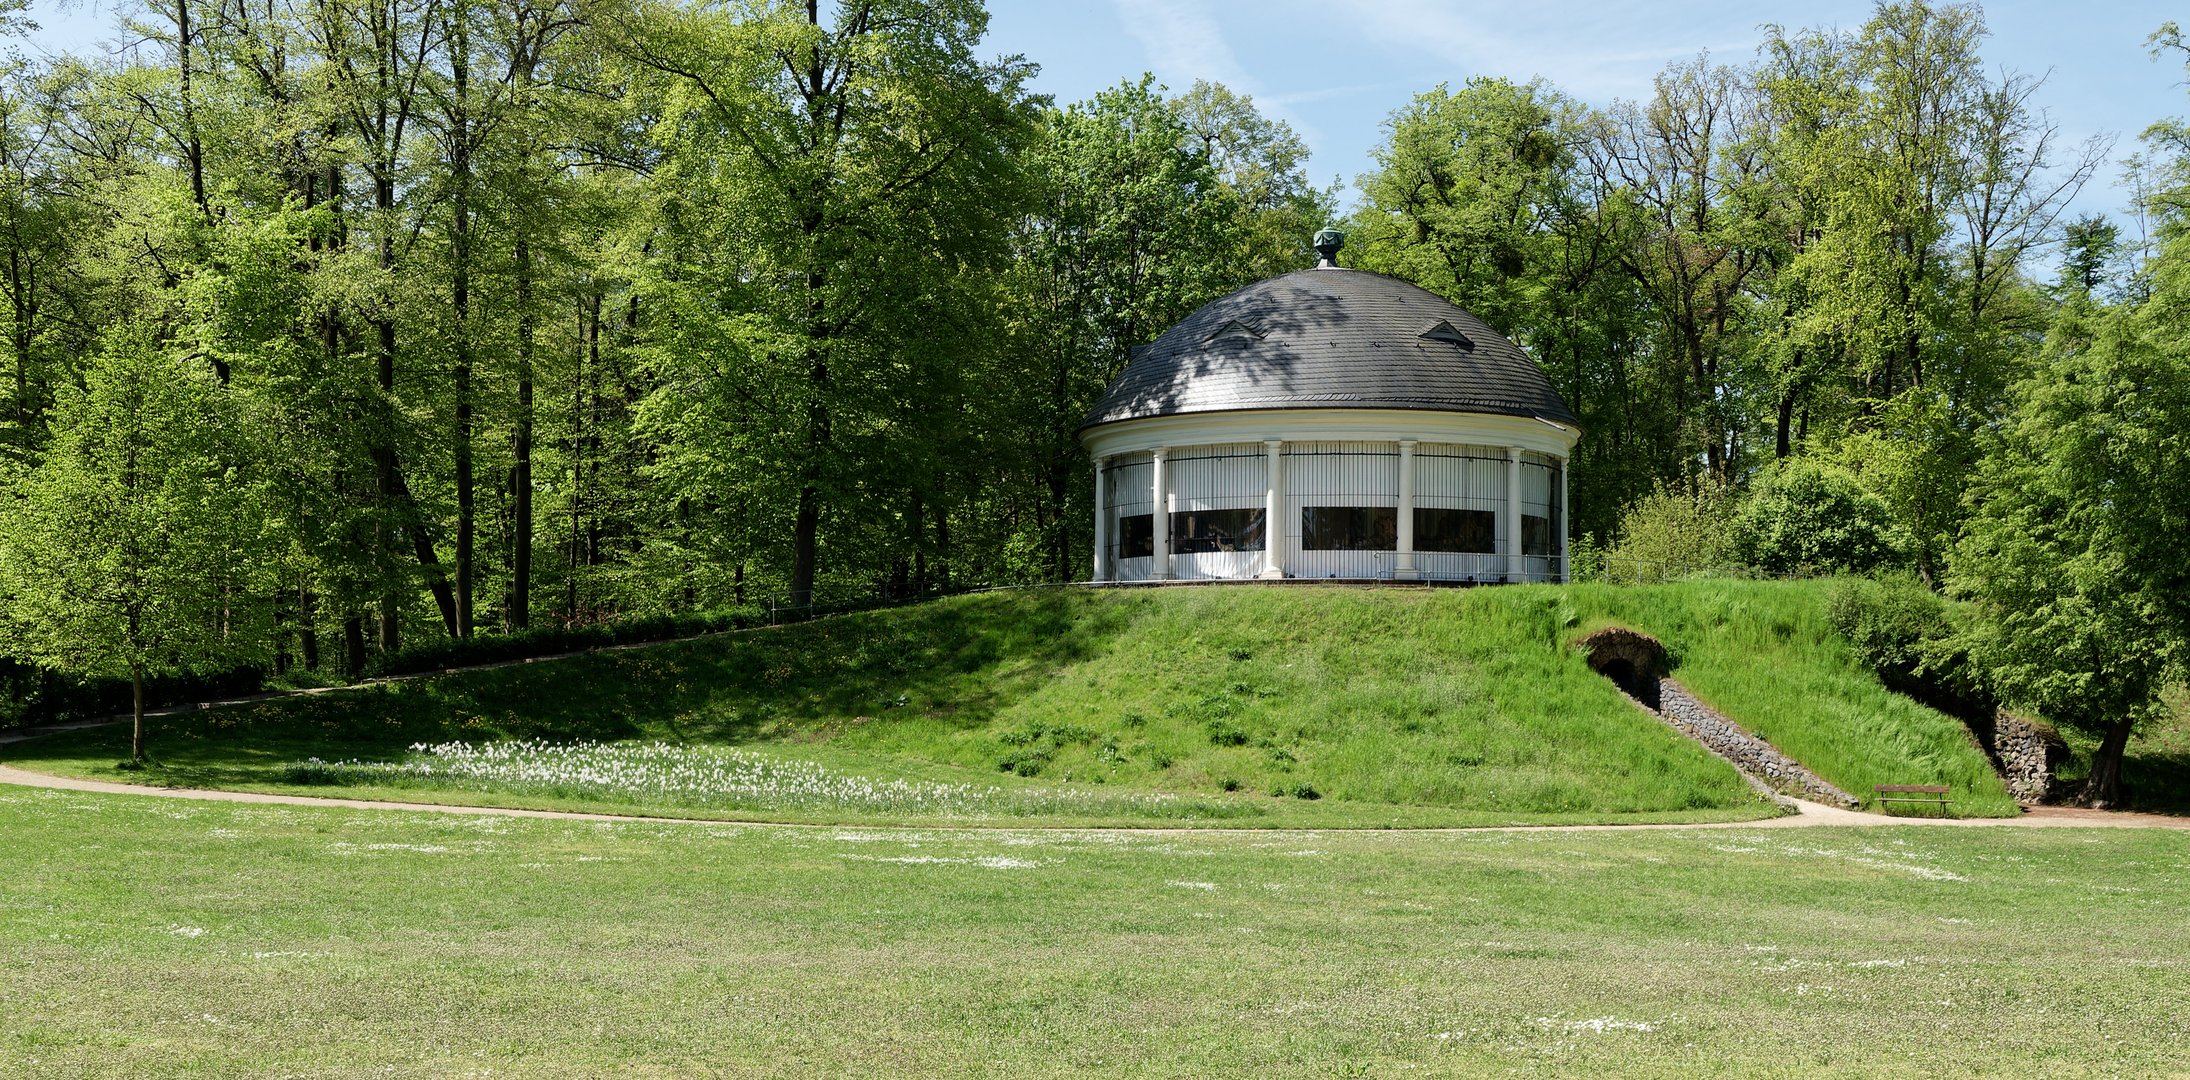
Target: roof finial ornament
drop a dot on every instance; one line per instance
(1327, 243)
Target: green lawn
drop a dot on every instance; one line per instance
(151, 938)
(1248, 706)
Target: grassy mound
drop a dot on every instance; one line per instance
(1256, 705)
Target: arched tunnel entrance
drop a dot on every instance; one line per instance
(1633, 661)
(1637, 663)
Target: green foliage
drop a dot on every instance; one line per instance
(851, 211)
(1812, 517)
(2078, 551)
(1889, 622)
(133, 547)
(2076, 556)
(1464, 191)
(1917, 640)
(1663, 535)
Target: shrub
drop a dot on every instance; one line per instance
(1035, 746)
(1814, 517)
(439, 653)
(1666, 534)
(1912, 637)
(31, 695)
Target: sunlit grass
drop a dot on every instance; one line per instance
(156, 938)
(1270, 705)
(1765, 654)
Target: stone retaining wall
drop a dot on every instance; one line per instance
(2027, 754)
(1748, 753)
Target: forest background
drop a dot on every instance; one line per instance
(332, 326)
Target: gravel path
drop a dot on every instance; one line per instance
(1809, 815)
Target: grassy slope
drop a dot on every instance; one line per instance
(1395, 706)
(147, 938)
(1764, 654)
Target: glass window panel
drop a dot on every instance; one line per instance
(1136, 536)
(1194, 531)
(1535, 535)
(1470, 531)
(1349, 528)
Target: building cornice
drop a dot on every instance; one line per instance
(1330, 425)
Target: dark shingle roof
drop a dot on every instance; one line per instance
(1325, 339)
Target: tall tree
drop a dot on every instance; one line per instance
(1678, 159)
(131, 548)
(1485, 195)
(826, 162)
(1463, 188)
(1134, 226)
(1263, 163)
(2077, 555)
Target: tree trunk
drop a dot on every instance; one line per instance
(437, 579)
(281, 636)
(391, 600)
(2103, 788)
(136, 731)
(460, 300)
(803, 531)
(353, 646)
(1783, 443)
(574, 555)
(193, 146)
(466, 516)
(520, 599)
(307, 627)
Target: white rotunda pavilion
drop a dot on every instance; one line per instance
(1387, 433)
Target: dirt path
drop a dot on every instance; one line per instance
(1810, 815)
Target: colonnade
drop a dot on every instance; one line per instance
(1164, 502)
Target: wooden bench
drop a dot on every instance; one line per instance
(1911, 793)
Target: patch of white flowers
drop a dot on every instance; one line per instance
(713, 777)
(1597, 1025)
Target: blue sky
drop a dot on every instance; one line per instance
(1334, 69)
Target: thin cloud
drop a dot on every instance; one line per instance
(1304, 97)
(1545, 47)
(1183, 42)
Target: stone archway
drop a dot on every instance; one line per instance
(1633, 661)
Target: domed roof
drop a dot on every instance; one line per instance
(1330, 339)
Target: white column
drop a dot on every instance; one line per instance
(1513, 514)
(1566, 525)
(1160, 523)
(1273, 513)
(1405, 570)
(1102, 524)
